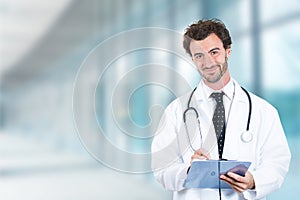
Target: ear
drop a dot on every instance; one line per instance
(228, 52)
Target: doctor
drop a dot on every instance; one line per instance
(177, 144)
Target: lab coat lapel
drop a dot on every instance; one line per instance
(236, 124)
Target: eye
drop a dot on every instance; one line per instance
(197, 56)
(215, 52)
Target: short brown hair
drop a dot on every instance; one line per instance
(202, 29)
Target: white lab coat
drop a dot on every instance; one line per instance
(268, 150)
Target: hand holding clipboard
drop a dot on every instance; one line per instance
(206, 173)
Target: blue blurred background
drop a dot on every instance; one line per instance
(43, 44)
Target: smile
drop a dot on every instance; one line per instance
(211, 69)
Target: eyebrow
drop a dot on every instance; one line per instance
(216, 48)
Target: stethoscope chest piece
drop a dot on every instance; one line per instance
(246, 136)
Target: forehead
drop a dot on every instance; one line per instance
(210, 42)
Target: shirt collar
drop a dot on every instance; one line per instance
(203, 91)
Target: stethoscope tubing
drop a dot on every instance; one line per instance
(245, 138)
(250, 108)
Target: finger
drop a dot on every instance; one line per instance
(197, 157)
(237, 186)
(203, 152)
(236, 177)
(235, 180)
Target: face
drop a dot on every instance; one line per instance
(210, 57)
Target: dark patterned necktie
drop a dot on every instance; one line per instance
(219, 120)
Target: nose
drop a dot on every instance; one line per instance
(209, 60)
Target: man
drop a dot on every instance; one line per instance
(173, 150)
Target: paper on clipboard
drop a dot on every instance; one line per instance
(206, 173)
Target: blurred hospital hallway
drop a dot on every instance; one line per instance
(83, 85)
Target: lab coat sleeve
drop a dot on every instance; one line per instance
(167, 164)
(273, 157)
(173, 177)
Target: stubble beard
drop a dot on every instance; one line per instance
(218, 75)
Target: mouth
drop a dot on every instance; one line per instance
(212, 69)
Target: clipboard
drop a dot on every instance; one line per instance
(206, 173)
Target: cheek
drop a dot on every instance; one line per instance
(199, 65)
(222, 59)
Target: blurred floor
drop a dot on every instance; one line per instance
(32, 170)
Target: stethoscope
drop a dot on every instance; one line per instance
(246, 136)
